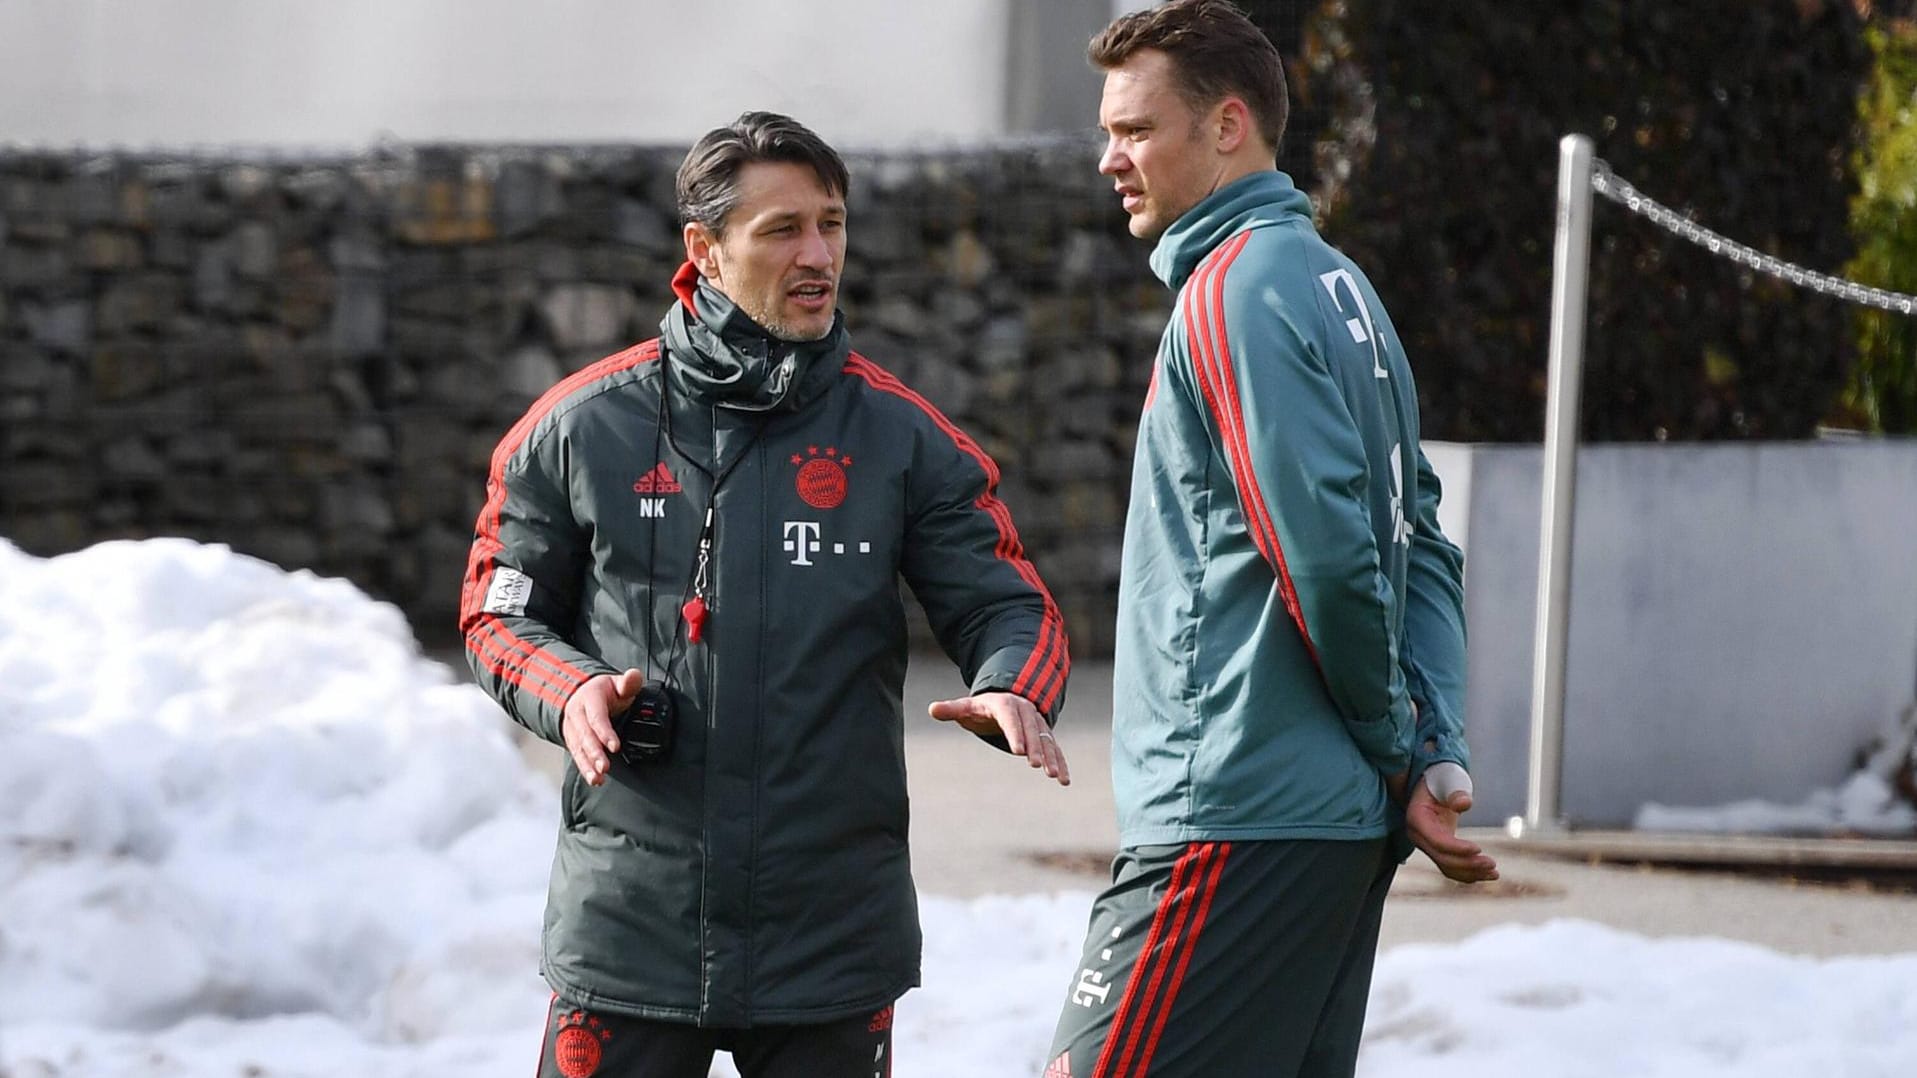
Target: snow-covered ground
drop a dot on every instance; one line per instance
(1866, 804)
(247, 831)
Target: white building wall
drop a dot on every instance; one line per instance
(345, 73)
(1743, 617)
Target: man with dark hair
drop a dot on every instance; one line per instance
(1290, 643)
(686, 573)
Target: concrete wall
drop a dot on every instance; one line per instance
(342, 74)
(1743, 617)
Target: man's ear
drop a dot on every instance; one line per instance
(702, 249)
(1232, 122)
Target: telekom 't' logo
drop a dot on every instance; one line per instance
(802, 540)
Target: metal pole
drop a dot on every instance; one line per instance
(1569, 270)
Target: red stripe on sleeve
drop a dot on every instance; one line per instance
(1042, 678)
(512, 657)
(1214, 333)
(1206, 329)
(1199, 332)
(513, 660)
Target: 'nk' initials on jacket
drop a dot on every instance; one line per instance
(758, 873)
(1286, 594)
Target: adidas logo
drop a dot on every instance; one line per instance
(657, 481)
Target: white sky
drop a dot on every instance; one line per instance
(246, 831)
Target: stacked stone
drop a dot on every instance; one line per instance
(311, 359)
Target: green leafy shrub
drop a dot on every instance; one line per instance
(1882, 393)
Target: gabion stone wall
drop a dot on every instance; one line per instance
(310, 360)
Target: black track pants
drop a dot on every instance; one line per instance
(583, 1043)
(1227, 958)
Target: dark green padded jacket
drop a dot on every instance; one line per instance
(759, 873)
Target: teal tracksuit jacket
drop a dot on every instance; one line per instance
(1286, 594)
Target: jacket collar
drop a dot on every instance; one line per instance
(1264, 197)
(718, 355)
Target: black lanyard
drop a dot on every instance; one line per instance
(696, 606)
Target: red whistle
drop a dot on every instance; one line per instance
(695, 615)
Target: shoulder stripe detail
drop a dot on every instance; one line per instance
(503, 653)
(641, 353)
(1042, 678)
(1208, 334)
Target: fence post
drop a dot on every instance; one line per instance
(1570, 267)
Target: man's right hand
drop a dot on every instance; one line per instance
(587, 722)
(1433, 826)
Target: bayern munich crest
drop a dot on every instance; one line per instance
(576, 1048)
(821, 479)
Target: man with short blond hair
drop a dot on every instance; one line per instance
(1290, 643)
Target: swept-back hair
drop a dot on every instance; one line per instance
(707, 187)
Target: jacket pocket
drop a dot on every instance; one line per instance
(569, 795)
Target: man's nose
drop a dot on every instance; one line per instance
(1113, 160)
(815, 252)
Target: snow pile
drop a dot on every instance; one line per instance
(1879, 800)
(246, 831)
(231, 792)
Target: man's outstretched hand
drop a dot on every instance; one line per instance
(1433, 826)
(1013, 716)
(589, 715)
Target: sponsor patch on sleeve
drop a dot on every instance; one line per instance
(509, 592)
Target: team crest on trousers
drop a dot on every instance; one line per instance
(821, 479)
(577, 1047)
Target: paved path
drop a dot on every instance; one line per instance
(984, 823)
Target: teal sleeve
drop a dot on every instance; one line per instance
(1433, 655)
(1298, 461)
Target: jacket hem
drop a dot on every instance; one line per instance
(807, 1015)
(770, 1016)
(1167, 836)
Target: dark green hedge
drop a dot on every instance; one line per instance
(1445, 134)
(1882, 394)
